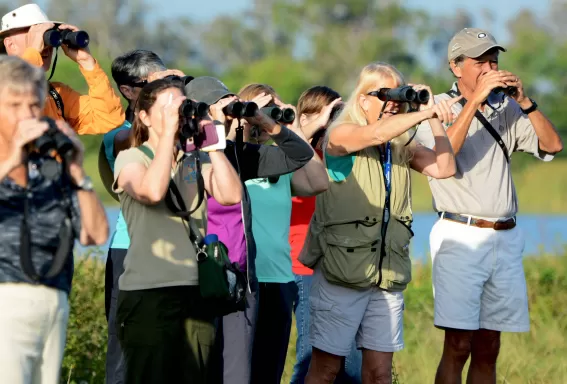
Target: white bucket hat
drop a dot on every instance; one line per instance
(24, 17)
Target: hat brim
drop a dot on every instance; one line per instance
(105, 172)
(210, 97)
(6, 31)
(480, 50)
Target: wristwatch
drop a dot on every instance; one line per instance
(529, 110)
(86, 184)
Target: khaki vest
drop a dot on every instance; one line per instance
(344, 235)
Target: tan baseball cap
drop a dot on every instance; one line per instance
(472, 42)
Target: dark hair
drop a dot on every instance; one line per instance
(135, 66)
(314, 99)
(148, 95)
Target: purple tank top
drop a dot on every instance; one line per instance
(226, 222)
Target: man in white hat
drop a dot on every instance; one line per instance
(22, 34)
(476, 247)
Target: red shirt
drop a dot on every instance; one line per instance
(302, 209)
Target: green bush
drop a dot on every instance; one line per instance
(534, 357)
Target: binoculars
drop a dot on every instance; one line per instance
(403, 94)
(286, 115)
(238, 109)
(55, 38)
(190, 108)
(54, 140)
(510, 91)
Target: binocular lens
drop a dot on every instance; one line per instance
(422, 96)
(78, 39)
(274, 112)
(250, 109)
(52, 38)
(288, 116)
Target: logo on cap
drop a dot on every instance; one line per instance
(481, 35)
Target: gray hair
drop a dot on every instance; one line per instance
(135, 66)
(19, 76)
(458, 61)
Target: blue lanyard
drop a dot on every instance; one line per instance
(387, 168)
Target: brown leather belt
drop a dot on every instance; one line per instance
(480, 223)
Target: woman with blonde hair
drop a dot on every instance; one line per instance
(271, 204)
(359, 235)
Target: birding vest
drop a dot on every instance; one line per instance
(346, 236)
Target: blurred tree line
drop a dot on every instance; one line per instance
(293, 45)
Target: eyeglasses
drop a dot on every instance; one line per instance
(140, 84)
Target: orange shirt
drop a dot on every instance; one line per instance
(96, 113)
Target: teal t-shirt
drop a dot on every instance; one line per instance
(339, 167)
(271, 215)
(120, 238)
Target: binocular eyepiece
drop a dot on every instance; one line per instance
(54, 140)
(238, 109)
(55, 38)
(404, 94)
(286, 115)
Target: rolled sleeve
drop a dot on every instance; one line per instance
(526, 138)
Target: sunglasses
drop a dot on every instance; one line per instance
(140, 84)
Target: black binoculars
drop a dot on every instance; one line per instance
(510, 91)
(190, 108)
(56, 37)
(238, 109)
(286, 115)
(54, 140)
(403, 94)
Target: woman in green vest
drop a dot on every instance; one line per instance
(359, 236)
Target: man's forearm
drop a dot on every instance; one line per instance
(549, 139)
(94, 222)
(457, 133)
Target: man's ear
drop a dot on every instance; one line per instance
(126, 91)
(9, 45)
(456, 69)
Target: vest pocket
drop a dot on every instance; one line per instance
(397, 266)
(350, 258)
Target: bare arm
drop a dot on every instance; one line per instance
(149, 184)
(549, 139)
(438, 163)
(311, 179)
(349, 138)
(222, 181)
(94, 223)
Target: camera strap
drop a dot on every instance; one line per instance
(58, 100)
(61, 254)
(485, 123)
(178, 208)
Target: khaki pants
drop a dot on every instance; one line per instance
(33, 325)
(167, 336)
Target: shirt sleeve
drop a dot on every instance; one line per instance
(97, 112)
(526, 139)
(339, 167)
(129, 156)
(424, 135)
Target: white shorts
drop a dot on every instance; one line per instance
(339, 315)
(478, 278)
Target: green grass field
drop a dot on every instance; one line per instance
(528, 180)
(537, 357)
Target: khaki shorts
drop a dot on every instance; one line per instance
(372, 317)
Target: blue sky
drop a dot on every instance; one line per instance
(502, 9)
